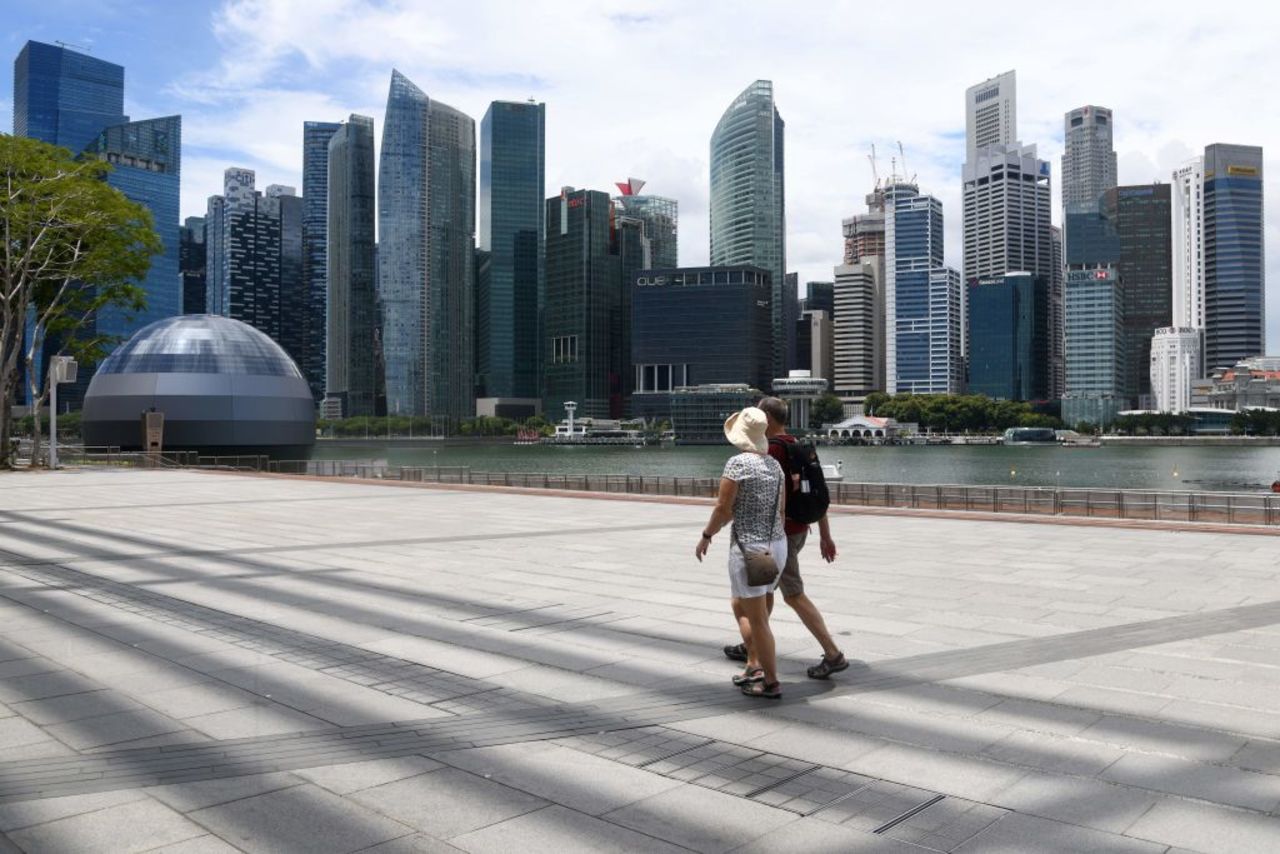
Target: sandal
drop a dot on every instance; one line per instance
(823, 669)
(736, 652)
(767, 690)
(746, 677)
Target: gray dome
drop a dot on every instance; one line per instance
(200, 344)
(222, 386)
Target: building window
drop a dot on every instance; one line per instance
(564, 349)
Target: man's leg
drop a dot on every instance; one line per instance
(792, 587)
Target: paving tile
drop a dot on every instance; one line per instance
(186, 797)
(140, 825)
(207, 844)
(115, 728)
(813, 790)
(74, 707)
(353, 776)
(1203, 827)
(946, 824)
(40, 811)
(448, 802)
(414, 843)
(559, 830)
(19, 732)
(1166, 738)
(301, 818)
(814, 836)
(701, 819)
(1213, 783)
(875, 805)
(1021, 834)
(1089, 803)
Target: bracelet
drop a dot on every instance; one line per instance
(706, 536)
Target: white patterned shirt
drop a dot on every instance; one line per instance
(759, 479)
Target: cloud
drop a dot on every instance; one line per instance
(636, 89)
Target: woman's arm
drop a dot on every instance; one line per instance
(721, 515)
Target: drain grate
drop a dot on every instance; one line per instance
(944, 825)
(638, 748)
(874, 806)
(809, 792)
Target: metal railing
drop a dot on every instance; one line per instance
(1232, 508)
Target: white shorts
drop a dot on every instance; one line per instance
(738, 569)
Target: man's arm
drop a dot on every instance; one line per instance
(825, 544)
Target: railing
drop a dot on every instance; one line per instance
(1232, 508)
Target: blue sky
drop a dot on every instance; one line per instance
(635, 88)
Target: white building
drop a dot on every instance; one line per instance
(799, 389)
(991, 113)
(858, 328)
(1187, 236)
(1175, 362)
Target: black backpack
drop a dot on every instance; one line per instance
(807, 498)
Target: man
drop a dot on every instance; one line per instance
(791, 584)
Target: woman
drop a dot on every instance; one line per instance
(751, 497)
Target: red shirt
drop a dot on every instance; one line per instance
(779, 453)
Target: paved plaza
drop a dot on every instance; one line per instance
(203, 662)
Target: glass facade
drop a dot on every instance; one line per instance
(1008, 337)
(191, 263)
(426, 275)
(661, 218)
(511, 291)
(200, 345)
(698, 413)
(1233, 255)
(350, 371)
(64, 97)
(748, 206)
(1095, 333)
(315, 223)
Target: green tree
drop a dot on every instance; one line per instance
(71, 246)
(873, 401)
(827, 409)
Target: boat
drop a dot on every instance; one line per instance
(833, 472)
(1030, 436)
(527, 436)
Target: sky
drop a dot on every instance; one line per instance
(634, 89)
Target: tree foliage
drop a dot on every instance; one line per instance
(1153, 424)
(70, 246)
(959, 413)
(1256, 422)
(827, 409)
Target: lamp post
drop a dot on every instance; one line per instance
(62, 369)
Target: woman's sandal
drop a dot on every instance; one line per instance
(767, 690)
(746, 677)
(823, 669)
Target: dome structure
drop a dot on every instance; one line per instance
(221, 384)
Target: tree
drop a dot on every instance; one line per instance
(827, 409)
(71, 246)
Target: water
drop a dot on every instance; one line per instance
(1162, 467)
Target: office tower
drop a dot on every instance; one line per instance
(191, 263)
(661, 217)
(1009, 337)
(631, 246)
(1095, 345)
(821, 297)
(790, 314)
(991, 114)
(1088, 165)
(351, 381)
(815, 344)
(510, 278)
(864, 233)
(922, 299)
(858, 329)
(295, 297)
(1178, 350)
(1175, 363)
(748, 207)
(315, 224)
(698, 326)
(426, 234)
(584, 304)
(1139, 219)
(64, 97)
(1234, 283)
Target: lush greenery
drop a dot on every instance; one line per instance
(1153, 424)
(1256, 422)
(958, 413)
(827, 409)
(72, 245)
(403, 425)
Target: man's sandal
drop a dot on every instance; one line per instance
(767, 690)
(736, 652)
(746, 677)
(823, 669)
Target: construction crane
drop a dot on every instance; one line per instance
(903, 155)
(875, 171)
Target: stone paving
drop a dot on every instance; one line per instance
(202, 662)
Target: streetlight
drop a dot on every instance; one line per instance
(62, 369)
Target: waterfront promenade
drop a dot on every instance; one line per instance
(212, 662)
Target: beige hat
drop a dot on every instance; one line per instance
(745, 430)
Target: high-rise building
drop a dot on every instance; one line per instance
(815, 345)
(426, 242)
(991, 114)
(315, 224)
(698, 326)
(748, 205)
(1088, 166)
(821, 296)
(790, 314)
(924, 351)
(1139, 219)
(295, 298)
(858, 326)
(661, 218)
(1175, 364)
(1095, 339)
(584, 306)
(64, 97)
(510, 277)
(864, 233)
(1008, 337)
(1234, 281)
(191, 264)
(351, 381)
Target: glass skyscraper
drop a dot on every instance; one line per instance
(1008, 337)
(510, 283)
(426, 254)
(1234, 286)
(661, 218)
(64, 97)
(748, 206)
(315, 223)
(351, 382)
(191, 264)
(1096, 365)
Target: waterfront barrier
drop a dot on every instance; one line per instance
(1232, 508)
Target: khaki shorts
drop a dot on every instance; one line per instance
(791, 584)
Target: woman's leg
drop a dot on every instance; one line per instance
(761, 647)
(744, 628)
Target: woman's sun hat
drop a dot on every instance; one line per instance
(745, 430)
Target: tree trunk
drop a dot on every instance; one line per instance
(33, 387)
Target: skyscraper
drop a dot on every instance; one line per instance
(191, 264)
(64, 97)
(426, 234)
(510, 283)
(924, 351)
(315, 224)
(661, 218)
(351, 381)
(1234, 284)
(1095, 341)
(748, 206)
(584, 303)
(858, 304)
(1088, 159)
(1008, 337)
(991, 113)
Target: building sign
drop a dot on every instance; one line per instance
(1242, 170)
